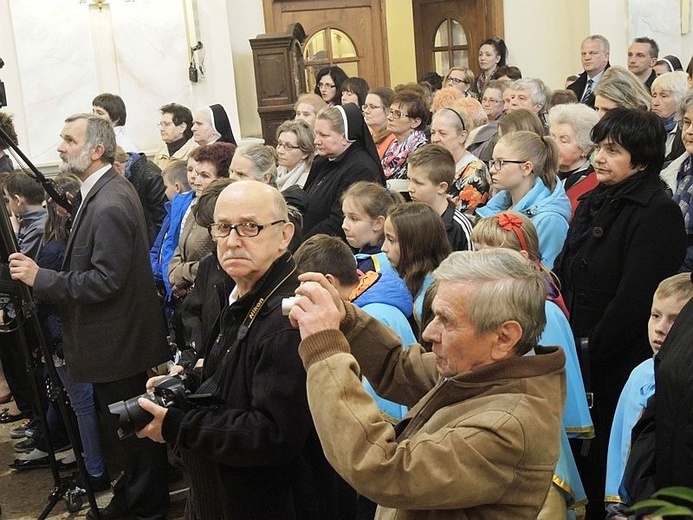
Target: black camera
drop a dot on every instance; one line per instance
(168, 392)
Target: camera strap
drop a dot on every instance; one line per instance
(213, 384)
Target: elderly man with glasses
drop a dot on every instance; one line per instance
(255, 454)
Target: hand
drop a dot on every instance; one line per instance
(175, 369)
(153, 429)
(62, 212)
(325, 283)
(179, 292)
(23, 268)
(152, 381)
(316, 309)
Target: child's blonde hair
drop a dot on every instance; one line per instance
(505, 229)
(678, 286)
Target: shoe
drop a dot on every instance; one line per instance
(98, 484)
(25, 429)
(6, 417)
(41, 462)
(25, 446)
(110, 512)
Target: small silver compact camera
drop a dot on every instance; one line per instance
(288, 304)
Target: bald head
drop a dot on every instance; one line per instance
(243, 257)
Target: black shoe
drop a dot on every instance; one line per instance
(25, 446)
(101, 483)
(6, 417)
(42, 462)
(26, 429)
(109, 512)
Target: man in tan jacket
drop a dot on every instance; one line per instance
(482, 437)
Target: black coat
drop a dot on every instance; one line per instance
(674, 413)
(145, 176)
(326, 182)
(257, 455)
(635, 241)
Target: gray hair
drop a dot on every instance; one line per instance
(507, 287)
(99, 132)
(579, 117)
(685, 106)
(537, 90)
(264, 161)
(304, 136)
(676, 83)
(606, 47)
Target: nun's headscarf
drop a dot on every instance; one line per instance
(356, 130)
(220, 123)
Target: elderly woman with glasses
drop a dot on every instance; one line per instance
(295, 151)
(406, 119)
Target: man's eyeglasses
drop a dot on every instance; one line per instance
(368, 108)
(286, 146)
(497, 164)
(396, 114)
(165, 124)
(244, 229)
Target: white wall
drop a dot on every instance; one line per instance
(543, 37)
(246, 21)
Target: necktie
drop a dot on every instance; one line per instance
(588, 91)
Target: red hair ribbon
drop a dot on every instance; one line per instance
(510, 222)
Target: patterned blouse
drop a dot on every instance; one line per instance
(471, 187)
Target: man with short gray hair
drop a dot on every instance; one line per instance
(113, 330)
(471, 446)
(594, 54)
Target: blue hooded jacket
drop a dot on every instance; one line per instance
(179, 205)
(549, 212)
(389, 301)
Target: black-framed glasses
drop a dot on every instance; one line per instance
(244, 229)
(286, 146)
(396, 114)
(497, 164)
(457, 81)
(322, 85)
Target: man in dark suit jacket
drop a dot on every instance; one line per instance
(113, 330)
(642, 57)
(594, 53)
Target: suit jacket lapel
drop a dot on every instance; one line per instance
(106, 177)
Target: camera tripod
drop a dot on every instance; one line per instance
(25, 307)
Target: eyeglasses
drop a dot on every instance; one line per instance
(328, 86)
(457, 81)
(685, 123)
(288, 147)
(491, 100)
(368, 108)
(497, 164)
(396, 114)
(165, 124)
(244, 229)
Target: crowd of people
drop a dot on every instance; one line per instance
(440, 300)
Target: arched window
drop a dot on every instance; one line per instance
(327, 47)
(450, 48)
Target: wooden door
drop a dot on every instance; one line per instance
(456, 25)
(356, 26)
